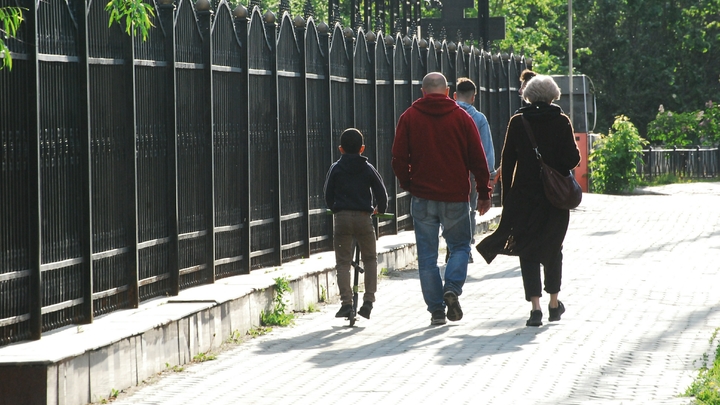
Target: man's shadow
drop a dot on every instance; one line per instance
(467, 348)
(471, 347)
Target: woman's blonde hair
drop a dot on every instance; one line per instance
(541, 88)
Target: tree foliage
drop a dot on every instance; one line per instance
(535, 28)
(136, 13)
(682, 129)
(10, 19)
(644, 53)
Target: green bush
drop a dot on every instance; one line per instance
(612, 162)
(706, 386)
(279, 315)
(700, 127)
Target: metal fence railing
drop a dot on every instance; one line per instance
(694, 163)
(133, 169)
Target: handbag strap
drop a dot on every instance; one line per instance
(530, 134)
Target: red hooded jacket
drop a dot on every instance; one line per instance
(436, 144)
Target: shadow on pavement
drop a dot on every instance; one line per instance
(314, 340)
(513, 271)
(400, 343)
(467, 348)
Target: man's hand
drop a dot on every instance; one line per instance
(483, 206)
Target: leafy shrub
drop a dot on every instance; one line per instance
(706, 386)
(612, 162)
(279, 315)
(700, 127)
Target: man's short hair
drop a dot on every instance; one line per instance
(351, 140)
(541, 88)
(526, 75)
(465, 87)
(434, 82)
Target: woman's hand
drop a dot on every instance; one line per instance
(498, 176)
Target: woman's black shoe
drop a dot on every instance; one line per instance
(535, 318)
(556, 312)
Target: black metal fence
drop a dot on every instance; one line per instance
(688, 163)
(132, 170)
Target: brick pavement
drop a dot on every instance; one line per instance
(640, 287)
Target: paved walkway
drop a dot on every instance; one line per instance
(641, 287)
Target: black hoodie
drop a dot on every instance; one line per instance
(351, 184)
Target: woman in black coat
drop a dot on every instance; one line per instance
(531, 227)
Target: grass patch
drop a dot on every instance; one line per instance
(235, 338)
(706, 387)
(113, 396)
(665, 179)
(201, 357)
(323, 293)
(259, 331)
(174, 369)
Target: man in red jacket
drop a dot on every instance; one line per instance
(436, 146)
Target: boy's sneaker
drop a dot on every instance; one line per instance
(365, 309)
(454, 312)
(345, 311)
(438, 317)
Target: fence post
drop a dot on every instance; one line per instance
(389, 44)
(166, 14)
(85, 167)
(133, 276)
(35, 214)
(299, 24)
(204, 14)
(323, 31)
(270, 21)
(240, 14)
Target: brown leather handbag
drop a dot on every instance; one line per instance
(564, 192)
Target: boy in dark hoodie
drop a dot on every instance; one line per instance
(352, 186)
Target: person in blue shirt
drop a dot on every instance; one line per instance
(465, 91)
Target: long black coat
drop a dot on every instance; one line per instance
(537, 229)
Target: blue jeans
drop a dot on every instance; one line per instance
(454, 217)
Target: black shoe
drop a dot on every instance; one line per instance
(365, 309)
(556, 312)
(535, 318)
(345, 311)
(454, 312)
(470, 259)
(438, 317)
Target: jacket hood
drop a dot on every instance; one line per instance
(541, 111)
(435, 104)
(352, 162)
(465, 106)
